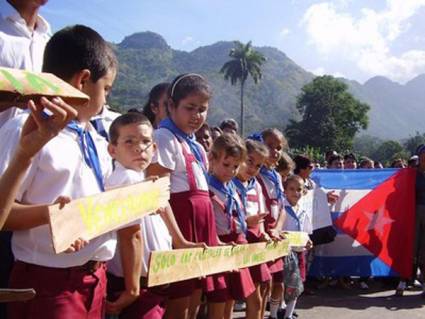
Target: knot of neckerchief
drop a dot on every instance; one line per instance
(229, 190)
(189, 139)
(258, 136)
(88, 149)
(272, 176)
(244, 189)
(292, 213)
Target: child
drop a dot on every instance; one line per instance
(155, 108)
(204, 137)
(132, 147)
(273, 192)
(252, 197)
(72, 164)
(226, 155)
(285, 166)
(185, 160)
(297, 219)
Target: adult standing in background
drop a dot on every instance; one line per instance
(23, 36)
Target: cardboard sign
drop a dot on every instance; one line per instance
(92, 216)
(181, 264)
(18, 86)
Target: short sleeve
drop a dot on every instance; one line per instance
(167, 149)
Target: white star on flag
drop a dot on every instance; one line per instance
(378, 220)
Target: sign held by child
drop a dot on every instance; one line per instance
(92, 216)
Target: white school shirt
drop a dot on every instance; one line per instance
(106, 117)
(222, 224)
(59, 169)
(169, 154)
(256, 207)
(20, 48)
(272, 193)
(303, 216)
(155, 233)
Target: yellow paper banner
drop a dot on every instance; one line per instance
(92, 216)
(181, 264)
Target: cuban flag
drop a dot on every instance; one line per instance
(374, 218)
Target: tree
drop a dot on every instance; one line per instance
(412, 143)
(245, 62)
(331, 116)
(388, 151)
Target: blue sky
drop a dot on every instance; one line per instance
(357, 39)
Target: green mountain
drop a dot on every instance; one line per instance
(146, 59)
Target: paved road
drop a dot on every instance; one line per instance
(377, 303)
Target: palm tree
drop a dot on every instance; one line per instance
(245, 62)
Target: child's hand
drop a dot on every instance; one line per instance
(254, 220)
(332, 197)
(62, 201)
(309, 245)
(264, 237)
(188, 244)
(125, 299)
(274, 234)
(39, 129)
(76, 246)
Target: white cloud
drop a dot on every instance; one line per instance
(366, 40)
(284, 32)
(187, 40)
(319, 71)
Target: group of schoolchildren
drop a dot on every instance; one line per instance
(227, 194)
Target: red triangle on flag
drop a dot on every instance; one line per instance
(383, 221)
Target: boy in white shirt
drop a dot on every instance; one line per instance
(132, 147)
(72, 164)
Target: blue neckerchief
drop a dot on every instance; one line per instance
(88, 149)
(271, 175)
(99, 127)
(189, 139)
(291, 213)
(230, 191)
(243, 190)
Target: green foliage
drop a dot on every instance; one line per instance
(314, 154)
(245, 61)
(388, 151)
(413, 142)
(330, 116)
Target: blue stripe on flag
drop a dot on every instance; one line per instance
(352, 178)
(350, 266)
(335, 216)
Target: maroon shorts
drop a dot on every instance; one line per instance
(149, 305)
(62, 293)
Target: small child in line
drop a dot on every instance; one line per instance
(227, 154)
(253, 200)
(132, 147)
(295, 266)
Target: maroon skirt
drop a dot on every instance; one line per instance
(195, 217)
(259, 273)
(149, 305)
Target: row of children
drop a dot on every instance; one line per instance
(77, 162)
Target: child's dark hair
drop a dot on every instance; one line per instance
(187, 84)
(350, 156)
(123, 120)
(293, 178)
(229, 123)
(154, 96)
(256, 147)
(229, 145)
(333, 158)
(276, 132)
(285, 163)
(301, 162)
(76, 48)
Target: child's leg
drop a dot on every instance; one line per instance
(275, 298)
(195, 302)
(228, 309)
(216, 310)
(253, 304)
(177, 308)
(264, 293)
(290, 307)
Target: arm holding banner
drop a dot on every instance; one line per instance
(37, 131)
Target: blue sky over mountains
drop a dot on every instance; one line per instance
(356, 39)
